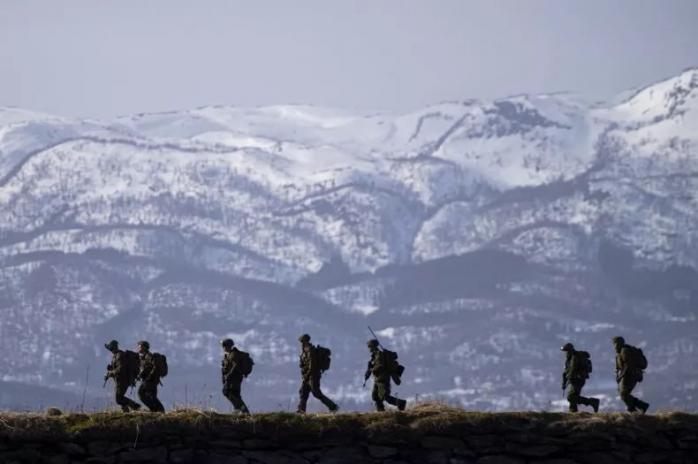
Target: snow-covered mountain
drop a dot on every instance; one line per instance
(475, 237)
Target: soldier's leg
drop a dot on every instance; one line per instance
(625, 387)
(377, 397)
(390, 399)
(573, 398)
(303, 394)
(236, 395)
(144, 396)
(147, 392)
(127, 404)
(586, 401)
(156, 402)
(577, 388)
(317, 393)
(120, 396)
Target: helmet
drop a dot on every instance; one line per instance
(567, 347)
(618, 340)
(112, 345)
(227, 342)
(373, 343)
(144, 344)
(305, 338)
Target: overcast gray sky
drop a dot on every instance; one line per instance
(104, 58)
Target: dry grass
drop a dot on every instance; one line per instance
(420, 420)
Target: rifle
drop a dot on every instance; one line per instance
(376, 337)
(106, 378)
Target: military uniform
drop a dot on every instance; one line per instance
(148, 389)
(232, 379)
(627, 377)
(310, 377)
(118, 371)
(574, 377)
(381, 380)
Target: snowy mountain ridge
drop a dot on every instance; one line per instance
(454, 229)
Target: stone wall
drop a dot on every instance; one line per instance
(391, 438)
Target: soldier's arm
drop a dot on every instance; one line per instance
(369, 369)
(620, 366)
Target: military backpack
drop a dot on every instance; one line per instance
(584, 366)
(636, 359)
(160, 365)
(387, 363)
(132, 366)
(244, 363)
(323, 357)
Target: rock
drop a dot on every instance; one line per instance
(598, 458)
(342, 455)
(158, 454)
(656, 441)
(499, 459)
(558, 461)
(381, 452)
(460, 460)
(53, 412)
(73, 449)
(437, 457)
(26, 454)
(441, 443)
(273, 457)
(59, 459)
(648, 458)
(482, 442)
(101, 448)
(224, 459)
(687, 445)
(101, 460)
(539, 451)
(183, 456)
(255, 443)
(225, 444)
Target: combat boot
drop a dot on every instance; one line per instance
(595, 404)
(642, 406)
(401, 405)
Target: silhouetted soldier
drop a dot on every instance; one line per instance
(314, 360)
(630, 364)
(382, 365)
(153, 368)
(235, 366)
(124, 370)
(577, 369)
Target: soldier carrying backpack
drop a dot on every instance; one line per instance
(314, 361)
(577, 369)
(384, 366)
(153, 367)
(124, 370)
(630, 364)
(235, 366)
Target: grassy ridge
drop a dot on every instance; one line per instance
(422, 420)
